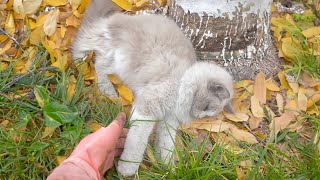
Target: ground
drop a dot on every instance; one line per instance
(48, 104)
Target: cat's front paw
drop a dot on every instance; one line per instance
(127, 169)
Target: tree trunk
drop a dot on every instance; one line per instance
(232, 33)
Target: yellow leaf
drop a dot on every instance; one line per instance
(60, 159)
(302, 100)
(260, 90)
(256, 109)
(272, 86)
(72, 21)
(283, 80)
(150, 155)
(83, 6)
(240, 174)
(238, 117)
(141, 3)
(75, 4)
(313, 100)
(39, 99)
(280, 123)
(313, 31)
(95, 126)
(31, 6)
(279, 100)
(242, 135)
(162, 2)
(9, 25)
(3, 66)
(125, 92)
(48, 131)
(18, 7)
(50, 24)
(36, 36)
(242, 84)
(294, 86)
(124, 4)
(211, 126)
(62, 62)
(41, 19)
(56, 2)
(114, 79)
(5, 123)
(6, 47)
(71, 86)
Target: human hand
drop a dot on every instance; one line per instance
(99, 148)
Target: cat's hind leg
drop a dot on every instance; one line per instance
(105, 86)
(136, 142)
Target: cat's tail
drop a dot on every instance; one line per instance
(90, 35)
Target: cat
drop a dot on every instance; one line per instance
(151, 55)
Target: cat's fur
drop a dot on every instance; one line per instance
(154, 58)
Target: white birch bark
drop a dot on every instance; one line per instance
(232, 33)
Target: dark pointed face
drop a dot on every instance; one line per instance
(210, 100)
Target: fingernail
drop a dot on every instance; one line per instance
(121, 117)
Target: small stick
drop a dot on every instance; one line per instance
(10, 37)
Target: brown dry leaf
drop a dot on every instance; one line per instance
(302, 100)
(50, 24)
(280, 103)
(272, 86)
(237, 117)
(260, 89)
(254, 122)
(151, 156)
(141, 3)
(242, 135)
(6, 47)
(60, 159)
(283, 80)
(256, 109)
(294, 86)
(9, 26)
(95, 126)
(281, 122)
(123, 4)
(211, 125)
(114, 79)
(125, 92)
(31, 6)
(3, 66)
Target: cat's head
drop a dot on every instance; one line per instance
(206, 89)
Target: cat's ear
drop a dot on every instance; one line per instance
(218, 90)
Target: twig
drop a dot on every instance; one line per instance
(10, 37)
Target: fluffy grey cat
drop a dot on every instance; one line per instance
(154, 58)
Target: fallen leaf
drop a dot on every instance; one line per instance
(5, 123)
(31, 6)
(48, 131)
(9, 26)
(313, 100)
(242, 84)
(237, 117)
(280, 103)
(56, 2)
(95, 126)
(254, 122)
(283, 81)
(280, 123)
(75, 4)
(260, 90)
(212, 126)
(311, 32)
(302, 100)
(256, 109)
(18, 7)
(242, 135)
(50, 24)
(272, 86)
(123, 4)
(240, 174)
(60, 159)
(125, 92)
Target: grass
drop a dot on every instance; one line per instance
(26, 152)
